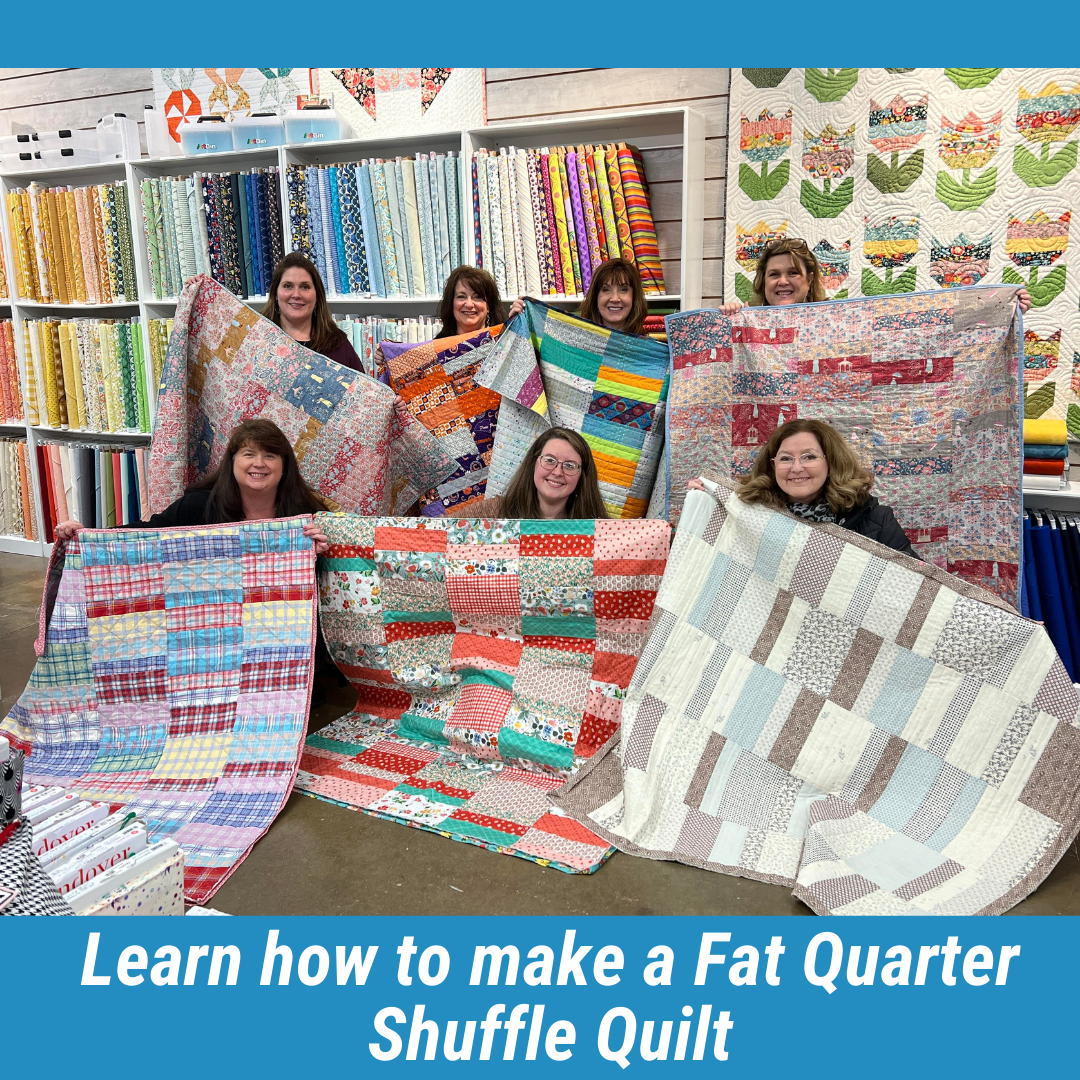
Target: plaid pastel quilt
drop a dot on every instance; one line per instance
(174, 678)
(225, 364)
(490, 660)
(436, 382)
(818, 711)
(926, 388)
(555, 369)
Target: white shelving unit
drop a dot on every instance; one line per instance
(680, 129)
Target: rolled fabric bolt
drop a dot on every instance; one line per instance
(1046, 431)
(1038, 467)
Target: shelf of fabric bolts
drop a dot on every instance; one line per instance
(677, 134)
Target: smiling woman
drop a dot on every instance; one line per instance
(616, 299)
(258, 478)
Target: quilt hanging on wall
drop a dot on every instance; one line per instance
(490, 660)
(905, 179)
(436, 381)
(173, 678)
(925, 388)
(230, 92)
(817, 711)
(405, 101)
(554, 369)
(356, 446)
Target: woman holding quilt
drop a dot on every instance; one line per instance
(808, 469)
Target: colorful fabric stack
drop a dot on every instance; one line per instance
(16, 508)
(544, 220)
(174, 676)
(368, 333)
(379, 228)
(355, 445)
(436, 383)
(88, 374)
(490, 660)
(1046, 454)
(555, 369)
(226, 225)
(924, 387)
(101, 486)
(11, 401)
(72, 244)
(818, 711)
(160, 332)
(1052, 580)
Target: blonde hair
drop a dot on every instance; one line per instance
(804, 258)
(848, 483)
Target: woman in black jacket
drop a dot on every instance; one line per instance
(808, 469)
(258, 478)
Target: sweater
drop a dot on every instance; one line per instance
(876, 521)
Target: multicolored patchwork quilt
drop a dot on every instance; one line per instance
(226, 364)
(818, 711)
(555, 369)
(174, 677)
(490, 660)
(435, 380)
(926, 388)
(904, 179)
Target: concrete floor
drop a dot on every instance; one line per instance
(321, 859)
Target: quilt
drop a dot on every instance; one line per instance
(436, 381)
(925, 388)
(818, 711)
(556, 369)
(490, 660)
(906, 179)
(173, 678)
(355, 445)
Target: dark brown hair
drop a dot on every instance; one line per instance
(848, 483)
(325, 333)
(480, 281)
(521, 501)
(621, 272)
(294, 496)
(804, 258)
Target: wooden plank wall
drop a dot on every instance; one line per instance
(43, 98)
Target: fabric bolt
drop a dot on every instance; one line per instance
(426, 225)
(386, 234)
(506, 202)
(198, 251)
(526, 236)
(215, 243)
(326, 226)
(471, 711)
(355, 446)
(253, 255)
(580, 234)
(639, 216)
(454, 212)
(389, 172)
(618, 204)
(315, 220)
(412, 218)
(609, 386)
(1042, 467)
(41, 251)
(585, 186)
(296, 184)
(1068, 600)
(245, 228)
(1046, 432)
(372, 241)
(571, 228)
(353, 230)
(435, 380)
(498, 242)
(862, 365)
(564, 264)
(478, 250)
(1046, 452)
(67, 276)
(196, 746)
(487, 257)
(801, 747)
(598, 209)
(201, 223)
(539, 219)
(442, 253)
(339, 231)
(445, 264)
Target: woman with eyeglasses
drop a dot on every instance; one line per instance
(557, 479)
(808, 469)
(788, 273)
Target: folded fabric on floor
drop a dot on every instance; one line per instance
(435, 379)
(925, 387)
(815, 710)
(226, 364)
(173, 678)
(555, 369)
(490, 660)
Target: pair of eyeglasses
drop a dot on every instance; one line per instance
(807, 460)
(568, 467)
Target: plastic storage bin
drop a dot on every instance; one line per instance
(63, 156)
(159, 141)
(11, 146)
(118, 138)
(316, 123)
(257, 131)
(20, 162)
(85, 142)
(208, 135)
